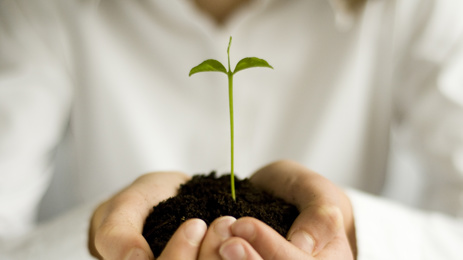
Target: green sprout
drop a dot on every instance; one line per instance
(214, 65)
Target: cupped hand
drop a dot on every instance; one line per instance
(324, 228)
(116, 225)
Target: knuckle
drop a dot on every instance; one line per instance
(102, 236)
(98, 243)
(107, 238)
(332, 217)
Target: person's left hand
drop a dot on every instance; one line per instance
(324, 228)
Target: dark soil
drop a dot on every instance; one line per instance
(208, 197)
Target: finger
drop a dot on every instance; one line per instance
(315, 227)
(320, 202)
(186, 241)
(218, 232)
(265, 240)
(237, 248)
(116, 226)
(337, 248)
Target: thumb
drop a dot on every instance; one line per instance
(186, 241)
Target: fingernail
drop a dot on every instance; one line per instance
(136, 254)
(303, 241)
(232, 251)
(195, 231)
(222, 227)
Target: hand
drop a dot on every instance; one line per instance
(324, 228)
(116, 225)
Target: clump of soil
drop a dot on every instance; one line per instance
(208, 197)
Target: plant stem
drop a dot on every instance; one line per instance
(230, 100)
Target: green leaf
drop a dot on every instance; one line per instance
(208, 65)
(251, 62)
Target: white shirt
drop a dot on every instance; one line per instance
(95, 93)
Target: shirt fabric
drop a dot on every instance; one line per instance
(95, 93)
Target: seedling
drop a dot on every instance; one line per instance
(214, 65)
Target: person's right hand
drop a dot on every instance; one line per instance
(116, 225)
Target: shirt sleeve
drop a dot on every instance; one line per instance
(63, 238)
(35, 97)
(388, 230)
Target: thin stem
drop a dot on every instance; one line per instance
(230, 98)
(230, 101)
